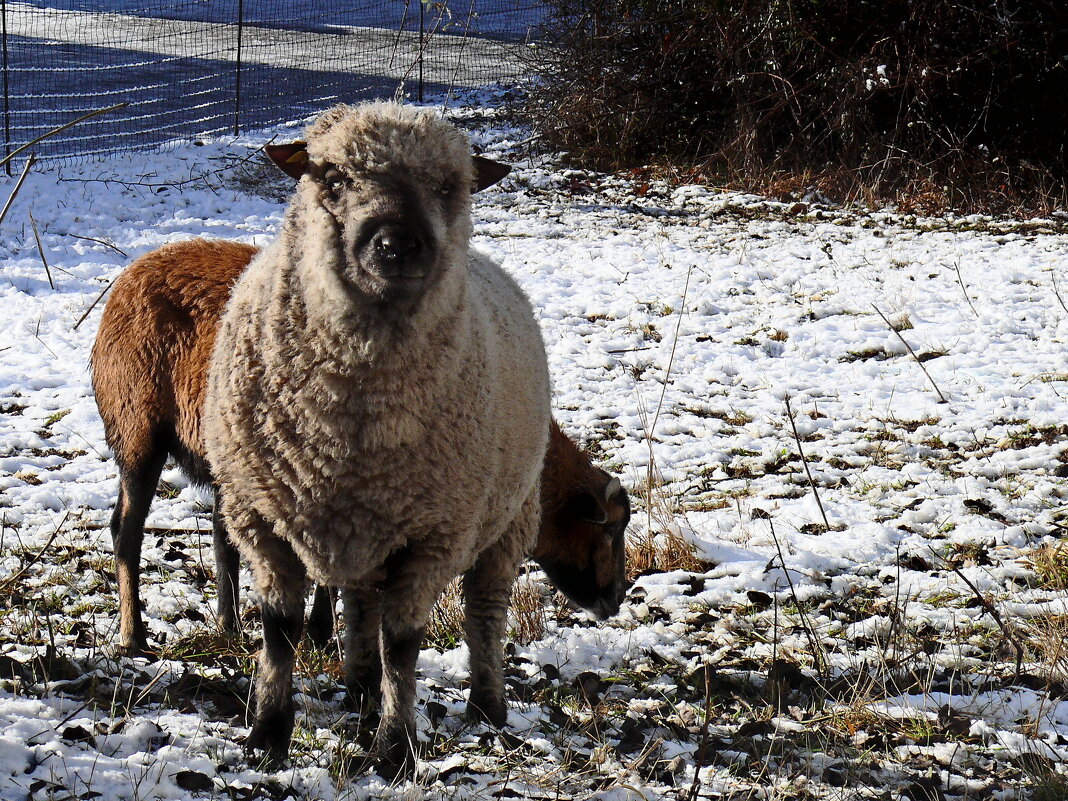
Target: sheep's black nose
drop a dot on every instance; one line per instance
(395, 248)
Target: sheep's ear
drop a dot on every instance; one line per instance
(586, 507)
(292, 159)
(488, 172)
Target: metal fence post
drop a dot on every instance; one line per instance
(237, 77)
(7, 87)
(422, 44)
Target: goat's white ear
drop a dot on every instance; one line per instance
(292, 159)
(488, 172)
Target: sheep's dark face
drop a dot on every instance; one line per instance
(582, 547)
(396, 233)
(395, 184)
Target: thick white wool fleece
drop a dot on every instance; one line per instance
(343, 433)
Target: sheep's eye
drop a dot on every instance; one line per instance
(333, 180)
(447, 188)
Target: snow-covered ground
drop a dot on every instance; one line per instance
(909, 648)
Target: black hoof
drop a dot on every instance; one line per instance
(260, 752)
(270, 737)
(135, 649)
(488, 710)
(395, 754)
(395, 763)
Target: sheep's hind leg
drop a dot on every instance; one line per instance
(321, 619)
(282, 585)
(363, 663)
(137, 484)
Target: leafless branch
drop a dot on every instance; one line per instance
(60, 129)
(804, 461)
(908, 347)
(40, 251)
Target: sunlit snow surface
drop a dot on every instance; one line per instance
(743, 304)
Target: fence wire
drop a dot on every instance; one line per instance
(191, 68)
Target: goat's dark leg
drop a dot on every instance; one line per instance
(363, 662)
(227, 563)
(321, 619)
(137, 485)
(487, 589)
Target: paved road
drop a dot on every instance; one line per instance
(451, 60)
(180, 78)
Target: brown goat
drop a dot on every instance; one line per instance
(150, 364)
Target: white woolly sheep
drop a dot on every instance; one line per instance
(377, 413)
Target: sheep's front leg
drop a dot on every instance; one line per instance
(282, 585)
(487, 589)
(396, 738)
(413, 581)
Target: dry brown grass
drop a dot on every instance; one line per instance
(661, 552)
(528, 611)
(445, 628)
(1050, 562)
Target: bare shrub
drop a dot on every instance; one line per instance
(937, 104)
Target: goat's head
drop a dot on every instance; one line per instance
(581, 545)
(393, 185)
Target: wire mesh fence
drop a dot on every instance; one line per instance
(192, 68)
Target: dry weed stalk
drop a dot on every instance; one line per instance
(810, 633)
(804, 461)
(18, 185)
(1050, 562)
(446, 624)
(528, 607)
(908, 347)
(963, 288)
(669, 550)
(40, 251)
(1057, 292)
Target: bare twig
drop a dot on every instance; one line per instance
(990, 609)
(103, 242)
(60, 129)
(7, 583)
(963, 288)
(810, 633)
(40, 250)
(1057, 292)
(804, 461)
(18, 185)
(908, 347)
(92, 306)
(193, 179)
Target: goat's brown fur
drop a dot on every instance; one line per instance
(150, 364)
